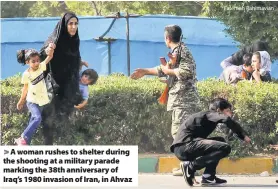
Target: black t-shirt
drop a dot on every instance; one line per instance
(202, 124)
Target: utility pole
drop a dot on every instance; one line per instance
(127, 44)
(109, 42)
(127, 16)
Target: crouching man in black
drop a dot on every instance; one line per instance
(192, 146)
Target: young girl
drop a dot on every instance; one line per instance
(261, 64)
(34, 89)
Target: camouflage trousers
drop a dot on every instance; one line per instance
(178, 116)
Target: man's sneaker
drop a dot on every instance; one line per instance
(21, 141)
(188, 174)
(213, 180)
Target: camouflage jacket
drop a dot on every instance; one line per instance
(183, 93)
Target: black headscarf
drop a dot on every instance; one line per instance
(65, 63)
(237, 58)
(65, 69)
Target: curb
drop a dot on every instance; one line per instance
(275, 168)
(147, 165)
(249, 165)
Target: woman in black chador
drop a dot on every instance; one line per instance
(65, 69)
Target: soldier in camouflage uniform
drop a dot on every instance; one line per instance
(183, 99)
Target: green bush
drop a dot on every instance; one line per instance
(255, 107)
(122, 111)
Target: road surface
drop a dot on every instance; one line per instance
(235, 182)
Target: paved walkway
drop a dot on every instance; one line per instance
(235, 182)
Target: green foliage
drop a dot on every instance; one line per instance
(83, 8)
(46, 9)
(122, 111)
(158, 7)
(255, 107)
(11, 9)
(252, 24)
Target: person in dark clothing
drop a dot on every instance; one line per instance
(65, 70)
(237, 58)
(192, 145)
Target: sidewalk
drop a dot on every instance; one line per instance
(165, 163)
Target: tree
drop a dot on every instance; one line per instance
(63, 6)
(248, 21)
(94, 5)
(83, 8)
(47, 9)
(11, 9)
(157, 7)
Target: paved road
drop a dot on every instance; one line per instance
(156, 181)
(238, 182)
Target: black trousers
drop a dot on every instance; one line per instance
(203, 153)
(48, 123)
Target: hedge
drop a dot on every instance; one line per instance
(122, 111)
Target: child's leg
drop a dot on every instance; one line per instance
(34, 122)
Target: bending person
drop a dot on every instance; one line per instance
(234, 74)
(237, 58)
(193, 145)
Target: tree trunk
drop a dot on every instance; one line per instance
(63, 6)
(94, 5)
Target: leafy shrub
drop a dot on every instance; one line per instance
(122, 111)
(255, 107)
